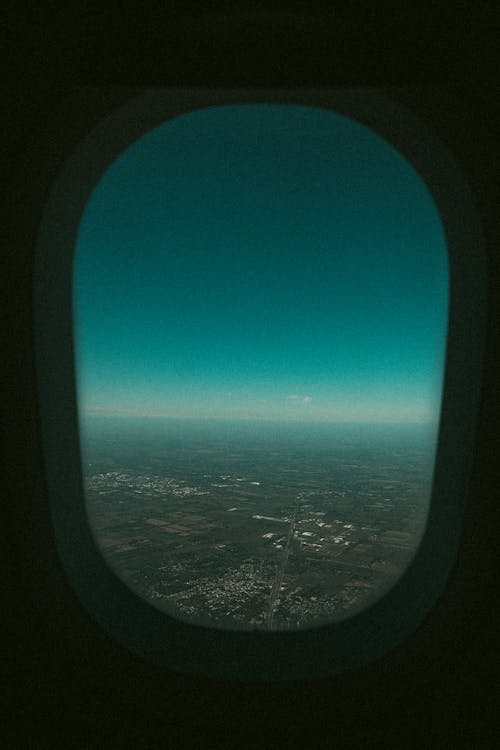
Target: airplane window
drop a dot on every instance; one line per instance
(260, 300)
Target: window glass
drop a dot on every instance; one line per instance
(260, 315)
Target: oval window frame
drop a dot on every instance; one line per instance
(329, 649)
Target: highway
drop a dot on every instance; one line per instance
(280, 572)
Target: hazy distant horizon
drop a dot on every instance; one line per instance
(132, 430)
(225, 418)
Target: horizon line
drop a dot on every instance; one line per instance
(118, 415)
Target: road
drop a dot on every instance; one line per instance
(280, 572)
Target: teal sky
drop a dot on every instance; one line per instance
(261, 261)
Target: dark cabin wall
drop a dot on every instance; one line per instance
(67, 683)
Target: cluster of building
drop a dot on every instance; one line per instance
(141, 484)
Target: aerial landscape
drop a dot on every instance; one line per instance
(268, 526)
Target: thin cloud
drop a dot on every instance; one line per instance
(302, 399)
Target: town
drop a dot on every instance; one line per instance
(274, 542)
